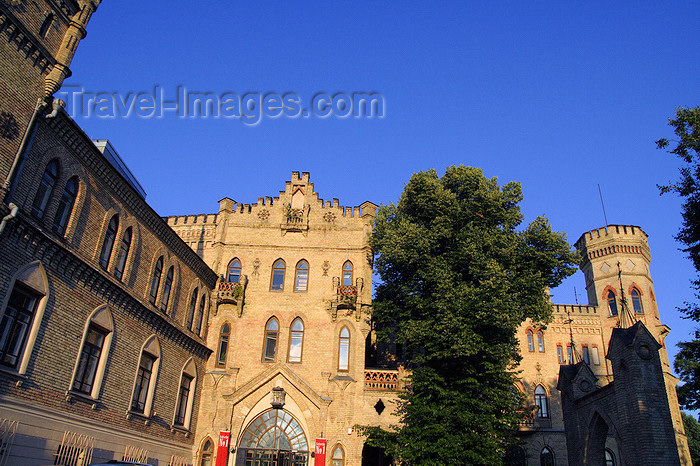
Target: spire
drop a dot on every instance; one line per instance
(574, 354)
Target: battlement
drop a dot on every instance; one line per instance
(191, 219)
(611, 232)
(613, 239)
(574, 309)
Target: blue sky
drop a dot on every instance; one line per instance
(560, 96)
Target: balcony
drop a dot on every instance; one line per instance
(347, 294)
(232, 293)
(383, 380)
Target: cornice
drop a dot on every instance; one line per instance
(24, 40)
(55, 256)
(82, 147)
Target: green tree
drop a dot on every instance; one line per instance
(457, 280)
(686, 126)
(692, 431)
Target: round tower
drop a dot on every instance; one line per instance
(615, 262)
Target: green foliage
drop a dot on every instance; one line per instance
(458, 279)
(692, 431)
(686, 126)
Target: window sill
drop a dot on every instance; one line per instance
(82, 397)
(21, 378)
(182, 429)
(141, 416)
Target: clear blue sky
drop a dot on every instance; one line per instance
(560, 96)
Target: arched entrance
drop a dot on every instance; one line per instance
(274, 438)
(595, 441)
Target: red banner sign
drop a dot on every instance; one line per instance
(222, 451)
(320, 457)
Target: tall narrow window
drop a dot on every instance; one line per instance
(541, 402)
(65, 206)
(609, 458)
(207, 452)
(540, 341)
(15, 325)
(570, 353)
(200, 315)
(271, 333)
(234, 271)
(278, 276)
(108, 243)
(193, 307)
(546, 457)
(223, 345)
(46, 185)
(530, 341)
(146, 377)
(296, 340)
(155, 280)
(185, 397)
(595, 358)
(612, 303)
(46, 25)
(560, 354)
(166, 289)
(123, 254)
(338, 456)
(143, 382)
(586, 354)
(301, 276)
(637, 301)
(91, 364)
(89, 359)
(344, 350)
(347, 274)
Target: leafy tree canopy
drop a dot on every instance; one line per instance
(458, 279)
(686, 126)
(692, 430)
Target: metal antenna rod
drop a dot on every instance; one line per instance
(605, 216)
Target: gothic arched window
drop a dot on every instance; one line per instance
(347, 273)
(541, 402)
(108, 243)
(123, 254)
(192, 309)
(530, 341)
(271, 333)
(637, 301)
(344, 350)
(234, 271)
(546, 457)
(46, 185)
(296, 340)
(612, 303)
(65, 206)
(301, 276)
(166, 289)
(155, 280)
(277, 280)
(223, 345)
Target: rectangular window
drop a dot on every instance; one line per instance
(143, 381)
(594, 355)
(89, 359)
(540, 341)
(586, 355)
(183, 400)
(15, 325)
(570, 354)
(270, 346)
(560, 354)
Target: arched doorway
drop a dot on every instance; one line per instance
(595, 440)
(274, 438)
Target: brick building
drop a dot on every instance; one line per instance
(125, 335)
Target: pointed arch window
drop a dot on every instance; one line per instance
(16, 324)
(338, 456)
(185, 397)
(541, 402)
(546, 457)
(301, 276)
(278, 269)
(46, 25)
(609, 458)
(530, 341)
(271, 334)
(296, 340)
(200, 315)
(46, 185)
(612, 303)
(540, 341)
(92, 359)
(65, 206)
(347, 273)
(192, 309)
(146, 377)
(234, 271)
(123, 254)
(207, 453)
(167, 287)
(637, 301)
(155, 280)
(560, 354)
(108, 243)
(344, 350)
(223, 345)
